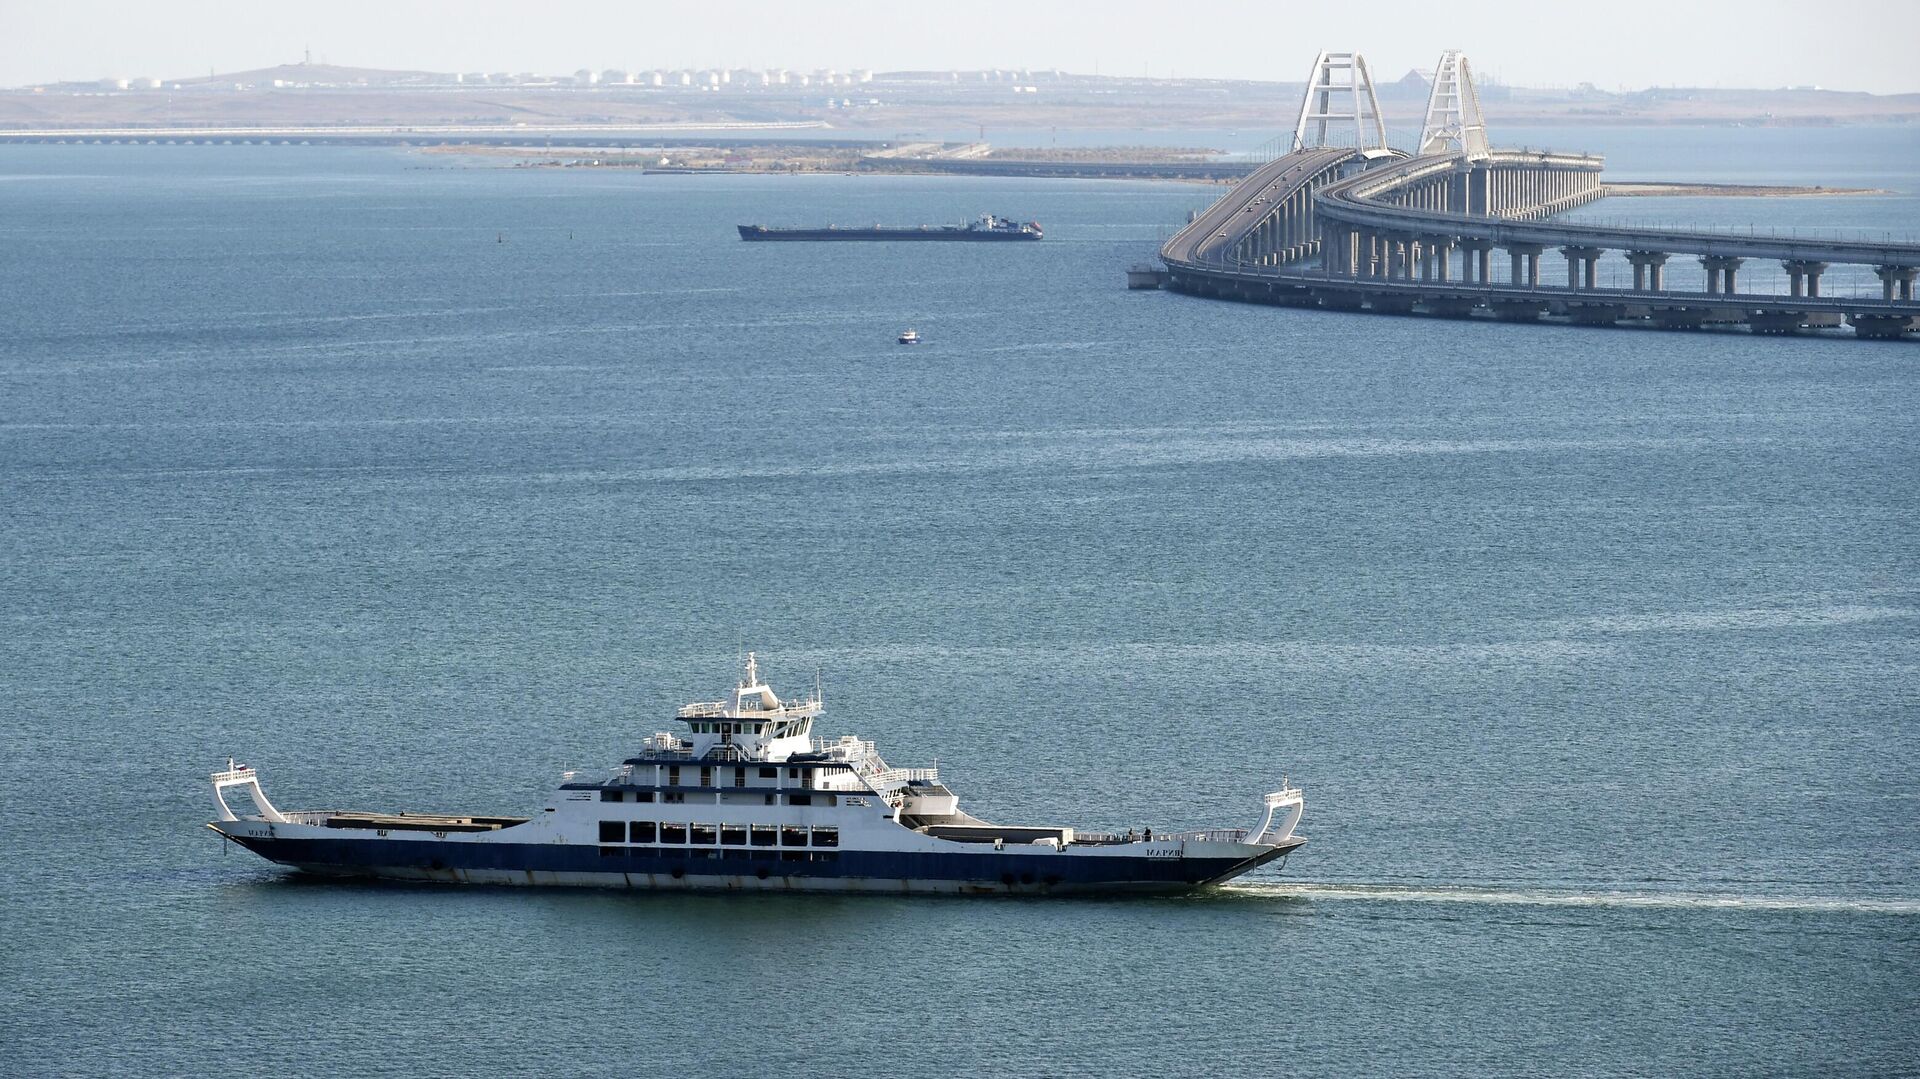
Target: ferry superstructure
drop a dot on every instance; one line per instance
(747, 797)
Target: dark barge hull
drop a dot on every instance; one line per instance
(564, 865)
(760, 233)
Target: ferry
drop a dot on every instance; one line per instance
(910, 337)
(743, 796)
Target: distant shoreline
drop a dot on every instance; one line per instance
(1087, 170)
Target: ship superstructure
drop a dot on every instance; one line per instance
(748, 796)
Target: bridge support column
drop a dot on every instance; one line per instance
(1526, 264)
(1896, 282)
(1409, 258)
(1721, 268)
(1649, 270)
(1476, 257)
(1807, 270)
(1583, 265)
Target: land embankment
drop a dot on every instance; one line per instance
(1193, 165)
(1752, 191)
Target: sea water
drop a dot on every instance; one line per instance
(412, 481)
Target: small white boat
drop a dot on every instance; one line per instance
(910, 337)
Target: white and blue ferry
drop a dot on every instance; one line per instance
(746, 797)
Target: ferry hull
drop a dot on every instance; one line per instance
(565, 865)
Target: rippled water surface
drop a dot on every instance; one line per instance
(1594, 651)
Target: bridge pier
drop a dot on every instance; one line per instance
(1401, 255)
(1335, 246)
(1372, 255)
(1799, 270)
(1719, 268)
(1881, 327)
(1776, 322)
(1517, 310)
(1476, 260)
(1583, 264)
(1896, 282)
(1526, 263)
(1681, 317)
(1649, 270)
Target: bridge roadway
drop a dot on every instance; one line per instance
(1521, 302)
(1389, 232)
(1356, 203)
(1213, 237)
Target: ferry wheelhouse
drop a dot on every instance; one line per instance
(746, 796)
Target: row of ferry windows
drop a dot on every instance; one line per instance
(755, 854)
(731, 728)
(739, 775)
(680, 797)
(725, 835)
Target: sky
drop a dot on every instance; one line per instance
(1617, 44)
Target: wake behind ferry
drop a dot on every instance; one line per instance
(746, 797)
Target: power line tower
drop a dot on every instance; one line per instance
(1454, 123)
(1340, 91)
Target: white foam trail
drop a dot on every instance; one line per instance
(1543, 897)
(1754, 618)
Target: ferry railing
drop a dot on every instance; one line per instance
(900, 777)
(1205, 835)
(718, 710)
(847, 745)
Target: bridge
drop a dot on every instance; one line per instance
(1361, 226)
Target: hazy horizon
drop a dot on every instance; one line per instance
(1636, 44)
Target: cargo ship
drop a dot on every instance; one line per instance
(746, 797)
(987, 227)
